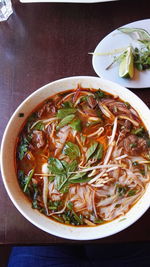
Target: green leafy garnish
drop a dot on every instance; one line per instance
(121, 190)
(65, 121)
(28, 179)
(98, 153)
(55, 166)
(23, 147)
(71, 150)
(35, 195)
(62, 170)
(67, 104)
(99, 94)
(138, 131)
(77, 176)
(39, 126)
(91, 150)
(98, 221)
(76, 125)
(62, 113)
(132, 192)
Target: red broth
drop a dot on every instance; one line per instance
(82, 157)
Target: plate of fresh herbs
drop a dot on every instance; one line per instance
(123, 56)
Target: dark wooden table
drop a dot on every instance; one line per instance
(44, 42)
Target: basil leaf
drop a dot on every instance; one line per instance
(28, 179)
(77, 176)
(62, 113)
(98, 153)
(70, 167)
(80, 180)
(60, 180)
(65, 121)
(76, 125)
(39, 126)
(91, 150)
(71, 150)
(23, 147)
(55, 166)
(67, 104)
(132, 192)
(138, 131)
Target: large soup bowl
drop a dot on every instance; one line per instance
(8, 160)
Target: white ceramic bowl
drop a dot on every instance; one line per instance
(8, 168)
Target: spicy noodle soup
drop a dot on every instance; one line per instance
(83, 157)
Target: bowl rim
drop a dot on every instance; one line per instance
(123, 225)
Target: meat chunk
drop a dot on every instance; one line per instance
(47, 108)
(91, 101)
(38, 139)
(89, 111)
(134, 145)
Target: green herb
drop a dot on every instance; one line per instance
(91, 150)
(71, 150)
(23, 147)
(28, 179)
(99, 94)
(142, 58)
(132, 192)
(117, 205)
(21, 178)
(77, 176)
(121, 190)
(142, 172)
(55, 166)
(67, 104)
(98, 153)
(138, 131)
(62, 113)
(21, 115)
(76, 217)
(80, 180)
(59, 219)
(35, 194)
(135, 163)
(71, 167)
(60, 180)
(62, 171)
(98, 221)
(39, 126)
(76, 125)
(65, 121)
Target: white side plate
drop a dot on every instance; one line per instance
(116, 40)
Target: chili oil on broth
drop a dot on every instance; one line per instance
(83, 157)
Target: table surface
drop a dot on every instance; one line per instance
(44, 42)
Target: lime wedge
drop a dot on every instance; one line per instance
(126, 67)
